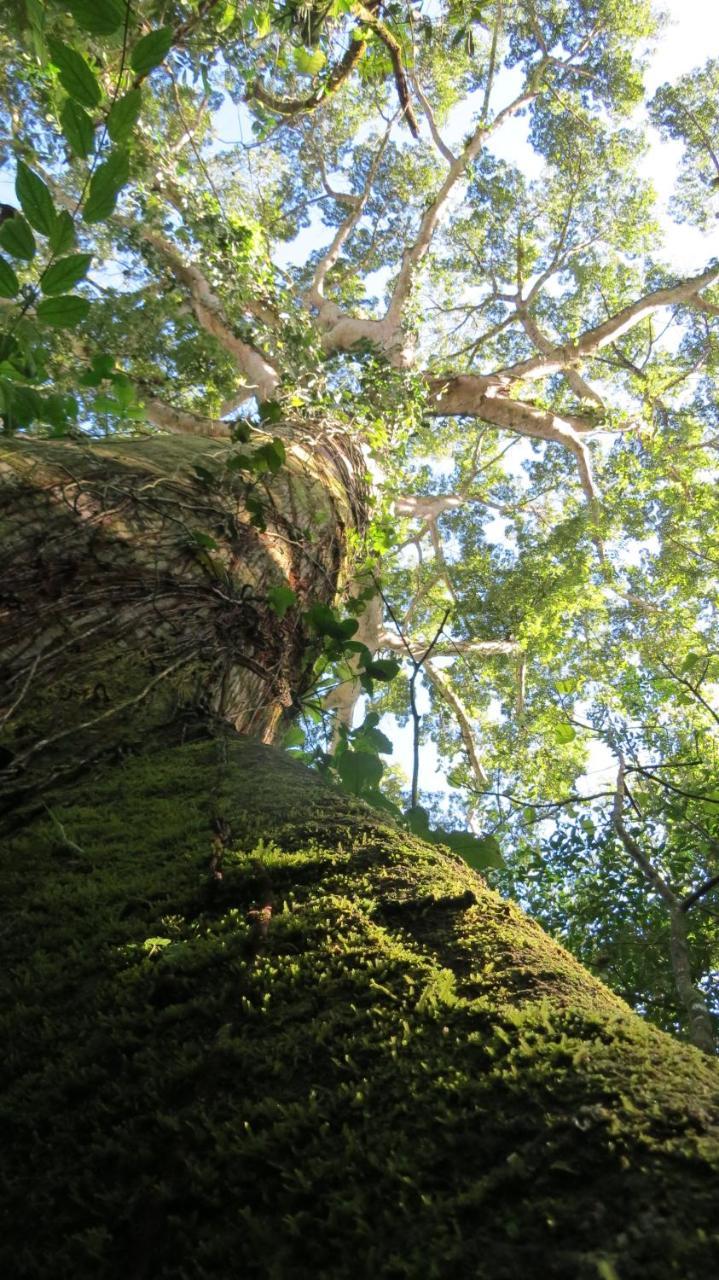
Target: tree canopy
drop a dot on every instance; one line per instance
(224, 217)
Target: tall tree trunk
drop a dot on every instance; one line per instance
(256, 1030)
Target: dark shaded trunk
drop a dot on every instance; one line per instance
(255, 1029)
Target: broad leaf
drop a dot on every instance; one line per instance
(122, 116)
(35, 200)
(105, 186)
(151, 50)
(565, 733)
(17, 238)
(9, 283)
(62, 236)
(76, 77)
(309, 62)
(66, 273)
(383, 669)
(78, 129)
(359, 771)
(97, 17)
(478, 851)
(281, 599)
(64, 312)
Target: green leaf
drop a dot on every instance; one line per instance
(478, 851)
(76, 77)
(383, 669)
(17, 238)
(101, 366)
(62, 236)
(372, 740)
(23, 404)
(227, 17)
(201, 539)
(418, 820)
(151, 50)
(294, 737)
(66, 273)
(691, 661)
(269, 457)
(97, 17)
(281, 599)
(322, 619)
(64, 312)
(105, 186)
(359, 771)
(309, 62)
(78, 129)
(35, 200)
(122, 116)
(564, 733)
(9, 283)
(566, 686)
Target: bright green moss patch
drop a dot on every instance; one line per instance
(345, 1058)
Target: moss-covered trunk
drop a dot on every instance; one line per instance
(251, 1028)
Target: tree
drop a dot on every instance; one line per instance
(258, 1024)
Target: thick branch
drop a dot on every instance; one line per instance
(464, 723)
(300, 106)
(474, 396)
(608, 331)
(183, 421)
(264, 378)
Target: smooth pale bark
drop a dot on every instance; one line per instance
(256, 1030)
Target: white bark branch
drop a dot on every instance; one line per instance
(464, 723)
(475, 396)
(263, 377)
(184, 421)
(601, 335)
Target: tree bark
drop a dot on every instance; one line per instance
(256, 1030)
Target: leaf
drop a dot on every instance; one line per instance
(294, 737)
(564, 733)
(383, 669)
(372, 740)
(566, 686)
(9, 283)
(23, 403)
(418, 820)
(101, 367)
(281, 599)
(151, 50)
(17, 238)
(359, 771)
(78, 129)
(76, 77)
(201, 539)
(691, 661)
(309, 62)
(269, 457)
(66, 273)
(322, 619)
(62, 236)
(63, 312)
(35, 200)
(478, 851)
(97, 17)
(105, 186)
(123, 114)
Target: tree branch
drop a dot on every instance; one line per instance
(601, 335)
(446, 692)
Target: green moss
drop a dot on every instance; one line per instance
(400, 1076)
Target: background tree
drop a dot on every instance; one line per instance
(267, 487)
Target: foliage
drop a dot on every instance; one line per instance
(208, 198)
